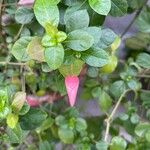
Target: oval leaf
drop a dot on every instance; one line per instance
(46, 12)
(79, 40)
(19, 49)
(102, 7)
(54, 56)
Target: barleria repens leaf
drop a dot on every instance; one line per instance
(102, 7)
(35, 49)
(12, 120)
(72, 69)
(54, 56)
(46, 12)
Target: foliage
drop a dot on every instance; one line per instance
(44, 44)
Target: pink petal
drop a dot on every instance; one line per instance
(25, 2)
(72, 85)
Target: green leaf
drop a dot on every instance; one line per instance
(81, 124)
(77, 20)
(95, 32)
(118, 8)
(102, 7)
(45, 145)
(79, 40)
(143, 21)
(3, 99)
(118, 143)
(71, 69)
(95, 57)
(18, 101)
(92, 72)
(49, 41)
(54, 56)
(60, 120)
(16, 135)
(66, 135)
(135, 118)
(143, 60)
(105, 101)
(19, 49)
(24, 15)
(25, 109)
(33, 119)
(96, 92)
(45, 125)
(136, 4)
(147, 135)
(139, 41)
(35, 49)
(141, 129)
(46, 12)
(134, 84)
(12, 120)
(106, 39)
(102, 145)
(117, 88)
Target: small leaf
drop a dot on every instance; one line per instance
(3, 99)
(45, 145)
(66, 135)
(105, 101)
(101, 145)
(135, 118)
(118, 8)
(46, 12)
(54, 56)
(79, 40)
(141, 129)
(95, 57)
(77, 20)
(118, 143)
(72, 69)
(117, 88)
(81, 125)
(33, 119)
(19, 49)
(24, 109)
(95, 32)
(18, 102)
(106, 39)
(35, 49)
(143, 22)
(102, 7)
(24, 15)
(143, 60)
(12, 120)
(16, 135)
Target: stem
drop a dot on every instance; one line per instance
(111, 116)
(12, 63)
(135, 17)
(143, 76)
(19, 32)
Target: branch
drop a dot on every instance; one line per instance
(12, 63)
(111, 116)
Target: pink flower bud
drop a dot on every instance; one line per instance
(72, 85)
